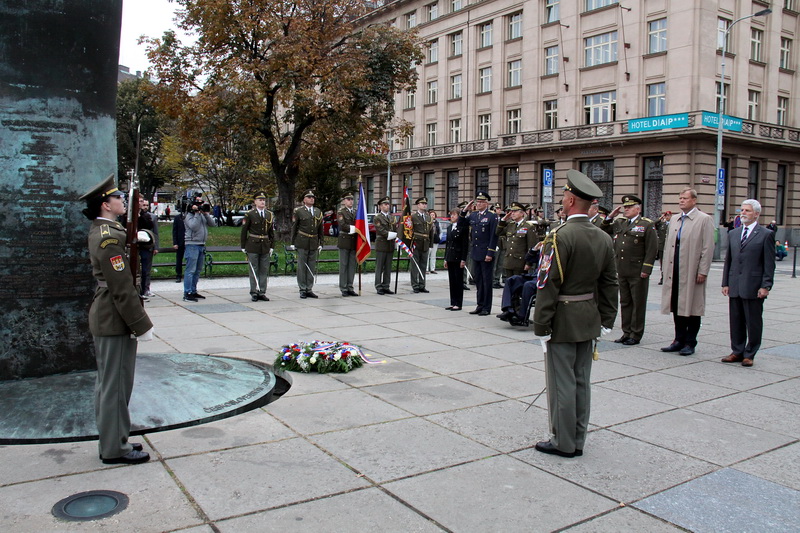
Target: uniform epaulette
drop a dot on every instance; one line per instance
(646, 219)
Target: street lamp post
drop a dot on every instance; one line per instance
(719, 193)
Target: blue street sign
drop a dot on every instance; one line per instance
(721, 182)
(547, 177)
(662, 122)
(728, 123)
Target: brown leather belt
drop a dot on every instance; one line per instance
(304, 234)
(257, 236)
(575, 297)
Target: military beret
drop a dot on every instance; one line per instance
(582, 186)
(629, 200)
(421, 200)
(482, 195)
(103, 189)
(384, 200)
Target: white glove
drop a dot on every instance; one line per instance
(319, 250)
(142, 236)
(290, 247)
(604, 331)
(543, 340)
(146, 336)
(392, 235)
(352, 230)
(270, 251)
(244, 251)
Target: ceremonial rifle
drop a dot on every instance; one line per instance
(132, 225)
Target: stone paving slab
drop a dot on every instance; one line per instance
(727, 375)
(761, 412)
(452, 361)
(666, 389)
(511, 381)
(611, 407)
(788, 390)
(624, 519)
(432, 395)
(781, 466)
(725, 501)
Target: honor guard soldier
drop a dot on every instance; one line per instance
(346, 217)
(576, 296)
(520, 236)
(117, 321)
(483, 234)
(385, 235)
(307, 240)
(424, 234)
(258, 240)
(635, 247)
(540, 223)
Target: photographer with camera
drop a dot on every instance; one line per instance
(197, 220)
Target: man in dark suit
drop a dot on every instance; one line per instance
(483, 227)
(746, 281)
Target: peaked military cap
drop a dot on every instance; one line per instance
(309, 194)
(515, 206)
(603, 210)
(348, 196)
(462, 205)
(582, 186)
(629, 200)
(102, 189)
(259, 196)
(421, 200)
(482, 195)
(384, 200)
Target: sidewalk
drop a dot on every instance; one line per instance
(438, 438)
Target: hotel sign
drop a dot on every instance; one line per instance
(662, 122)
(711, 120)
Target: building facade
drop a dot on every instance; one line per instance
(627, 92)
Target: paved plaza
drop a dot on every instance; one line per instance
(440, 436)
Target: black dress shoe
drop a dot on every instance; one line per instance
(381, 292)
(476, 311)
(189, 298)
(133, 457)
(505, 315)
(483, 313)
(311, 295)
(578, 453)
(387, 291)
(303, 295)
(546, 446)
(416, 291)
(135, 445)
(497, 286)
(352, 293)
(466, 288)
(686, 350)
(630, 342)
(263, 297)
(424, 290)
(345, 294)
(198, 295)
(515, 320)
(178, 279)
(622, 339)
(674, 347)
(254, 297)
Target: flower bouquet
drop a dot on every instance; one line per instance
(320, 356)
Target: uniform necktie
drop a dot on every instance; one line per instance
(744, 235)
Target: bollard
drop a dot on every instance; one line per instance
(794, 262)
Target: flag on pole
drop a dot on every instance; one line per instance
(408, 225)
(403, 247)
(363, 246)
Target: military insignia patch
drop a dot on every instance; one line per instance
(118, 263)
(545, 262)
(104, 231)
(108, 242)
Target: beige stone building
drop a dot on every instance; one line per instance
(511, 89)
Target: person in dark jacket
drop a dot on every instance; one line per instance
(179, 245)
(455, 258)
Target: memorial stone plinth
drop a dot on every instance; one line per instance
(58, 73)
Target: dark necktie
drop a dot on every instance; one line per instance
(744, 235)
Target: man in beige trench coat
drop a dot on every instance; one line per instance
(687, 257)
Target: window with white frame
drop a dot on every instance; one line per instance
(600, 107)
(433, 92)
(410, 139)
(753, 98)
(551, 60)
(515, 73)
(514, 120)
(550, 114)
(411, 20)
(756, 44)
(656, 99)
(455, 130)
(456, 5)
(600, 49)
(515, 26)
(430, 130)
(485, 35)
(433, 51)
(455, 86)
(485, 80)
(789, 4)
(411, 100)
(432, 10)
(722, 97)
(657, 36)
(597, 4)
(484, 126)
(783, 109)
(786, 53)
(551, 11)
(722, 32)
(456, 43)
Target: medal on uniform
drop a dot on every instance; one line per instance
(118, 263)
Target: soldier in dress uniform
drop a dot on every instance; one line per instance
(483, 234)
(520, 236)
(307, 240)
(498, 270)
(258, 239)
(576, 297)
(541, 224)
(424, 234)
(597, 214)
(635, 247)
(346, 217)
(385, 234)
(117, 321)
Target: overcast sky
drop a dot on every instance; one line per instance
(143, 17)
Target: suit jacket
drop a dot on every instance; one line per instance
(749, 266)
(457, 243)
(258, 234)
(483, 228)
(635, 246)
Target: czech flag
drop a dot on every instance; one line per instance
(363, 247)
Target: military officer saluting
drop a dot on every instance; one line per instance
(483, 237)
(576, 296)
(346, 217)
(117, 321)
(307, 240)
(258, 239)
(385, 234)
(520, 236)
(541, 224)
(635, 247)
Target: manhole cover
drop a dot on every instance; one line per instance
(91, 505)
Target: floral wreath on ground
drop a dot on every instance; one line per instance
(321, 357)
